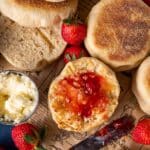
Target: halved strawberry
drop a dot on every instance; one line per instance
(141, 133)
(73, 32)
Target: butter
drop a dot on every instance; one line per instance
(3, 98)
(18, 97)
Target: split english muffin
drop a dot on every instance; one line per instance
(38, 13)
(29, 49)
(119, 32)
(84, 95)
(32, 49)
(141, 85)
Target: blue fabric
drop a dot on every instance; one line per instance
(5, 137)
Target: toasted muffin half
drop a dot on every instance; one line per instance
(84, 95)
(119, 32)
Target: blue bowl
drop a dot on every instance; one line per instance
(5, 137)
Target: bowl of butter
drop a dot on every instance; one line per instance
(19, 97)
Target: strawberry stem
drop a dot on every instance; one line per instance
(32, 139)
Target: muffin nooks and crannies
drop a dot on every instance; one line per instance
(119, 32)
(84, 95)
(141, 85)
(32, 49)
(29, 49)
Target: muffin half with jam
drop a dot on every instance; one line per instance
(84, 95)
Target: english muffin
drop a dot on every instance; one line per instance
(29, 49)
(84, 95)
(119, 32)
(141, 85)
(38, 13)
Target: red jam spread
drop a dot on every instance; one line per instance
(84, 92)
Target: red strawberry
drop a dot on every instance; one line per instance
(25, 136)
(147, 2)
(73, 53)
(74, 33)
(141, 133)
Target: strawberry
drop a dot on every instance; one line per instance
(73, 33)
(141, 133)
(73, 53)
(147, 2)
(26, 137)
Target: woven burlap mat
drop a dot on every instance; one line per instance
(57, 139)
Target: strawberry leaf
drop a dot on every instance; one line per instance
(68, 21)
(29, 139)
(74, 57)
(67, 56)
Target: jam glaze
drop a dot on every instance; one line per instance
(84, 92)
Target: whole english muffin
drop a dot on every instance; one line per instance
(38, 13)
(29, 48)
(119, 32)
(141, 85)
(84, 95)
